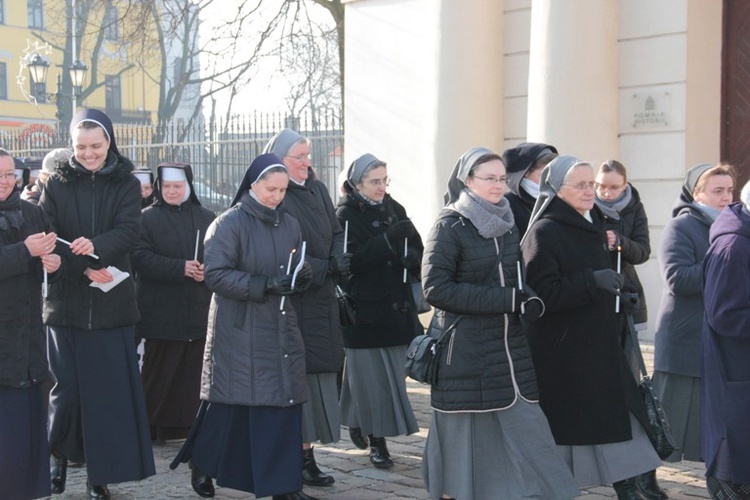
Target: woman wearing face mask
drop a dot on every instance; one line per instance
(248, 432)
(173, 301)
(587, 390)
(525, 163)
(93, 202)
(706, 190)
(488, 437)
(374, 403)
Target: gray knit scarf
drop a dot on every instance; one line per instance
(613, 208)
(491, 220)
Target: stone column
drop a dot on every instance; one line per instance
(573, 80)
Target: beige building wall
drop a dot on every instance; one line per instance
(445, 75)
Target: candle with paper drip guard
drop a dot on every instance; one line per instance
(288, 268)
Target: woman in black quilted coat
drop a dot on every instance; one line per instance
(488, 436)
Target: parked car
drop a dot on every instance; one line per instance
(210, 198)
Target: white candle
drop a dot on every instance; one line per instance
(406, 247)
(346, 234)
(197, 242)
(619, 267)
(288, 268)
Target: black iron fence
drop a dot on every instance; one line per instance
(218, 150)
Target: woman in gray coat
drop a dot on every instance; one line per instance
(677, 347)
(248, 432)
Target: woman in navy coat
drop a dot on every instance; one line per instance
(725, 436)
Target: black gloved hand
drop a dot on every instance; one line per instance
(304, 278)
(533, 309)
(279, 285)
(400, 230)
(629, 302)
(608, 280)
(340, 264)
(528, 305)
(411, 262)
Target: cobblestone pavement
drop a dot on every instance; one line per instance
(355, 478)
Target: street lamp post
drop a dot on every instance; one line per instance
(38, 67)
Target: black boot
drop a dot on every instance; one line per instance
(297, 495)
(100, 492)
(379, 455)
(358, 439)
(201, 482)
(311, 475)
(58, 473)
(626, 489)
(648, 487)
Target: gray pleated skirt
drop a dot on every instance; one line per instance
(321, 419)
(496, 454)
(604, 464)
(681, 398)
(373, 392)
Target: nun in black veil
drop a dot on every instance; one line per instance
(248, 432)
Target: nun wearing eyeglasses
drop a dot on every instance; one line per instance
(173, 300)
(586, 388)
(97, 408)
(488, 437)
(374, 404)
(307, 199)
(248, 432)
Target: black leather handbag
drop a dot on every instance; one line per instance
(659, 431)
(347, 307)
(423, 355)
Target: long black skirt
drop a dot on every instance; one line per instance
(171, 380)
(24, 452)
(97, 407)
(249, 448)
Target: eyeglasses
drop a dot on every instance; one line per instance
(306, 156)
(378, 182)
(583, 186)
(493, 180)
(8, 177)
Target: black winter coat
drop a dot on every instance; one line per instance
(386, 314)
(521, 205)
(172, 306)
(104, 206)
(586, 388)
(254, 353)
(23, 348)
(317, 311)
(487, 363)
(632, 229)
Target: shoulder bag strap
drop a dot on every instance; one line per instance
(636, 345)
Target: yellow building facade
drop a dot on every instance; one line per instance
(120, 49)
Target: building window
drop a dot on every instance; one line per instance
(36, 13)
(111, 24)
(38, 91)
(2, 11)
(112, 92)
(3, 81)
